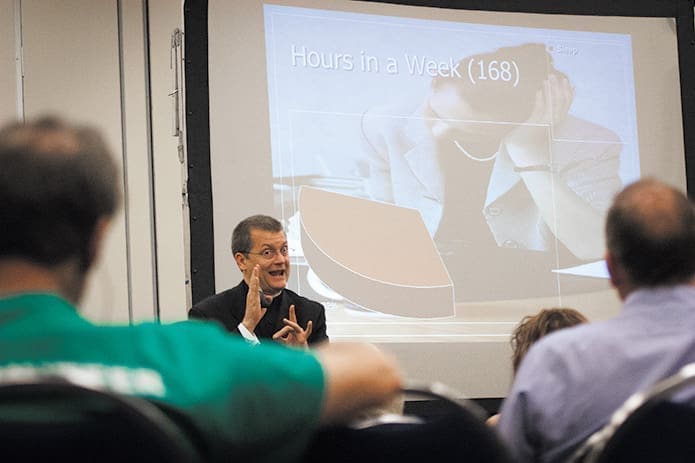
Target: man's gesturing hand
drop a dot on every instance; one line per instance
(254, 311)
(292, 333)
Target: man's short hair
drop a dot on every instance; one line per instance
(241, 236)
(56, 182)
(650, 232)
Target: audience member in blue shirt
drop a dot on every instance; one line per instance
(569, 383)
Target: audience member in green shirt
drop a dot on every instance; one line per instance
(58, 193)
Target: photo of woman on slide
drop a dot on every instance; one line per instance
(494, 160)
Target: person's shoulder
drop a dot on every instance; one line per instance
(205, 338)
(161, 339)
(236, 291)
(574, 344)
(569, 336)
(224, 299)
(304, 301)
(195, 346)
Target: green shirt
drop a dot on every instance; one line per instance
(264, 401)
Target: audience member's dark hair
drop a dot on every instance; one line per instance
(533, 327)
(56, 182)
(650, 230)
(241, 236)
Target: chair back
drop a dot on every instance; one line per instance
(653, 425)
(460, 432)
(57, 420)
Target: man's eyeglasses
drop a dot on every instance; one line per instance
(270, 253)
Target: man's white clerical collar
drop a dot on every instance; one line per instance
(272, 296)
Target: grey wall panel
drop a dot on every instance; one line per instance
(71, 69)
(8, 69)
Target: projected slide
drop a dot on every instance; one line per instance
(441, 173)
(508, 141)
(355, 262)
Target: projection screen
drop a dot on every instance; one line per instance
(440, 173)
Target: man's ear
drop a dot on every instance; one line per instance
(612, 270)
(241, 261)
(96, 241)
(619, 279)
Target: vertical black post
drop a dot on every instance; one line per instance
(686, 66)
(198, 149)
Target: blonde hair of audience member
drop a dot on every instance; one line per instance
(533, 327)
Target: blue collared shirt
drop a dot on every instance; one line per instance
(571, 381)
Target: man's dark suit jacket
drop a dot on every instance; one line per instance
(228, 308)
